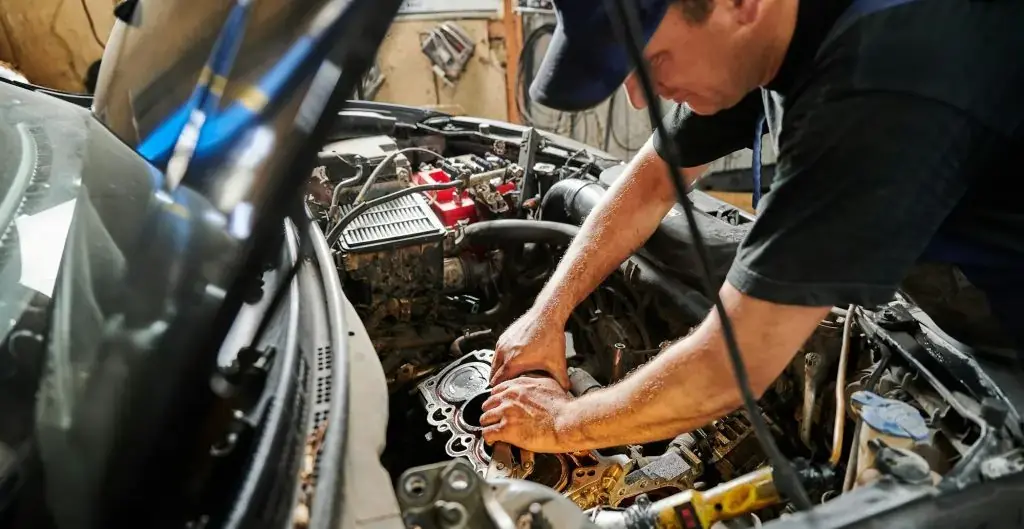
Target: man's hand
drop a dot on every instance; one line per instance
(686, 386)
(527, 412)
(533, 343)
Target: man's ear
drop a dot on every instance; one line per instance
(745, 11)
(634, 92)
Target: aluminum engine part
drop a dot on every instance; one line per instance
(449, 495)
(348, 158)
(734, 448)
(453, 399)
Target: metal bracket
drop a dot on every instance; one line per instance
(449, 48)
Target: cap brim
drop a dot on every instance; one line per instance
(579, 72)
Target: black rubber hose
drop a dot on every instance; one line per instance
(671, 246)
(518, 231)
(637, 270)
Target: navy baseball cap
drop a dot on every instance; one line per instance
(586, 61)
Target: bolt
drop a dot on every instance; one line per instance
(458, 480)
(450, 512)
(499, 466)
(416, 485)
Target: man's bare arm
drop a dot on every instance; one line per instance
(692, 382)
(626, 217)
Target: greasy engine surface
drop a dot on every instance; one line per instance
(434, 305)
(439, 272)
(453, 397)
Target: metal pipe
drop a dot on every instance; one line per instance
(582, 382)
(812, 374)
(380, 169)
(844, 356)
(620, 350)
(456, 348)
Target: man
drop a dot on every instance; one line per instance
(902, 130)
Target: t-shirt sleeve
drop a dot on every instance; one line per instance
(862, 185)
(704, 139)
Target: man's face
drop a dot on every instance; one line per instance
(706, 64)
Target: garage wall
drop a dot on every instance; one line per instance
(409, 79)
(53, 42)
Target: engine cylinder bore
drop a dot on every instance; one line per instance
(473, 410)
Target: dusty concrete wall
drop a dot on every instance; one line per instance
(53, 42)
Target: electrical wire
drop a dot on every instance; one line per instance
(525, 105)
(383, 164)
(525, 74)
(784, 475)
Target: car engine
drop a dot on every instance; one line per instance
(444, 236)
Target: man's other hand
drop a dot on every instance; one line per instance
(527, 412)
(533, 343)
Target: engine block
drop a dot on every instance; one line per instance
(454, 397)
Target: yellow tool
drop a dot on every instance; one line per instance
(699, 510)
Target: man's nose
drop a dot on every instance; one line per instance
(635, 91)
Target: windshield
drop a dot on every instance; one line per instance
(40, 174)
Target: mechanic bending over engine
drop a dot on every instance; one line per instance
(899, 158)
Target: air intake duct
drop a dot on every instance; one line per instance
(671, 248)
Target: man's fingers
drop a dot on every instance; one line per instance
(492, 402)
(493, 416)
(498, 372)
(563, 380)
(496, 432)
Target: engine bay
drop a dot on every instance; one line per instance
(443, 236)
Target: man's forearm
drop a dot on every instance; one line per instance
(626, 217)
(691, 383)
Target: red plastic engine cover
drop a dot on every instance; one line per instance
(451, 208)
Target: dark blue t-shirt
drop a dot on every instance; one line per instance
(900, 142)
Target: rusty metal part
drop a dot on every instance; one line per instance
(618, 351)
(490, 197)
(733, 447)
(454, 272)
(814, 375)
(408, 373)
(318, 187)
(844, 355)
(457, 345)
